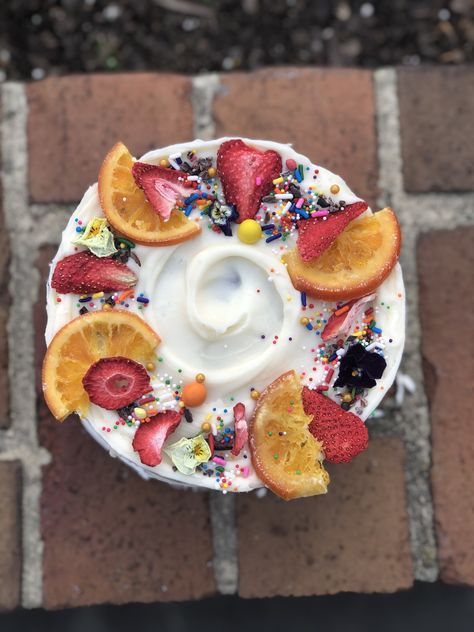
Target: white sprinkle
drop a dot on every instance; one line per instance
(193, 178)
(284, 196)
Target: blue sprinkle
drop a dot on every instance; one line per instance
(214, 409)
(142, 299)
(303, 299)
(309, 326)
(273, 237)
(188, 210)
(227, 439)
(191, 198)
(268, 226)
(225, 410)
(376, 330)
(303, 213)
(332, 357)
(79, 229)
(86, 299)
(297, 175)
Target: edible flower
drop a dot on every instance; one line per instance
(222, 215)
(360, 368)
(187, 454)
(97, 237)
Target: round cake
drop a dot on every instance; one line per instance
(224, 314)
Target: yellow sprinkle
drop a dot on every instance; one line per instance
(278, 180)
(208, 416)
(140, 413)
(98, 295)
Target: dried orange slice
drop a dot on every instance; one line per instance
(128, 210)
(358, 261)
(285, 454)
(82, 342)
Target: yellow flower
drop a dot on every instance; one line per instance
(187, 454)
(97, 237)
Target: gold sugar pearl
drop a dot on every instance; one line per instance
(304, 320)
(254, 394)
(347, 397)
(150, 366)
(200, 377)
(106, 307)
(211, 172)
(335, 188)
(164, 163)
(206, 427)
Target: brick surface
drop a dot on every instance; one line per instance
(73, 122)
(10, 534)
(443, 259)
(436, 114)
(4, 305)
(108, 535)
(328, 115)
(353, 539)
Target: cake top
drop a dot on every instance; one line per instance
(224, 314)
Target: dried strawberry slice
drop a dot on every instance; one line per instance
(340, 324)
(83, 273)
(162, 187)
(240, 167)
(113, 383)
(150, 437)
(343, 434)
(316, 235)
(240, 429)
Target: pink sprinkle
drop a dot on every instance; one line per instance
(258, 180)
(319, 213)
(245, 472)
(299, 204)
(322, 387)
(329, 375)
(217, 459)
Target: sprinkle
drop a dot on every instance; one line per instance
(217, 459)
(321, 388)
(85, 299)
(373, 345)
(278, 180)
(98, 295)
(376, 330)
(303, 298)
(193, 178)
(245, 472)
(124, 296)
(258, 181)
(309, 326)
(329, 375)
(298, 175)
(319, 213)
(303, 213)
(273, 237)
(284, 196)
(268, 226)
(299, 202)
(143, 299)
(341, 310)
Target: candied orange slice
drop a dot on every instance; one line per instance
(128, 210)
(285, 454)
(358, 261)
(82, 342)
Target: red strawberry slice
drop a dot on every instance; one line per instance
(343, 434)
(113, 383)
(240, 429)
(163, 187)
(239, 166)
(340, 325)
(150, 437)
(83, 273)
(315, 235)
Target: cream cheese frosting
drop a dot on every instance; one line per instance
(230, 311)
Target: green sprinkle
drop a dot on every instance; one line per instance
(167, 382)
(275, 456)
(270, 434)
(160, 359)
(298, 471)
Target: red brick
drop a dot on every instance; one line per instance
(436, 114)
(10, 534)
(108, 535)
(4, 308)
(328, 114)
(353, 539)
(73, 122)
(445, 264)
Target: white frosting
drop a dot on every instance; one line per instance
(212, 299)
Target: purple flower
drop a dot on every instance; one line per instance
(360, 368)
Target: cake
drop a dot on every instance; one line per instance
(224, 314)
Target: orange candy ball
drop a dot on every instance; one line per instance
(193, 394)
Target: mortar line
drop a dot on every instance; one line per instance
(412, 422)
(222, 508)
(21, 440)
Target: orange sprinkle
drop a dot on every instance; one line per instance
(124, 296)
(342, 310)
